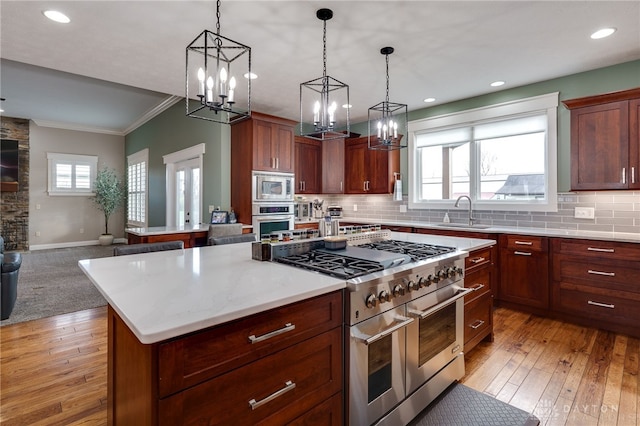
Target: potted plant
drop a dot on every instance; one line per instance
(110, 194)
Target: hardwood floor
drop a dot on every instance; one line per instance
(54, 371)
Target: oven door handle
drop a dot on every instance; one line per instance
(367, 340)
(423, 314)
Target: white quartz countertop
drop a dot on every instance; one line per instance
(562, 233)
(166, 294)
(162, 230)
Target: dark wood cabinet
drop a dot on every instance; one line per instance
(264, 143)
(276, 367)
(597, 283)
(524, 272)
(308, 166)
(605, 143)
(369, 171)
(333, 166)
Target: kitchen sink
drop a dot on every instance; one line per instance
(463, 225)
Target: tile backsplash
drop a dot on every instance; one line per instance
(615, 211)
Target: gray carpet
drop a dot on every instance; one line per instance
(51, 283)
(460, 405)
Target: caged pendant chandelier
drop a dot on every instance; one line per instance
(213, 61)
(387, 120)
(324, 102)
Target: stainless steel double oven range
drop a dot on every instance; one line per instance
(405, 313)
(272, 202)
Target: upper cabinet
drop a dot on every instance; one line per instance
(605, 141)
(308, 165)
(369, 171)
(333, 166)
(266, 140)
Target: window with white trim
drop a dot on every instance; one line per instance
(137, 183)
(71, 174)
(502, 156)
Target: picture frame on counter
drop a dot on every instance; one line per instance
(219, 216)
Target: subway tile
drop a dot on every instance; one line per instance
(627, 229)
(588, 227)
(627, 221)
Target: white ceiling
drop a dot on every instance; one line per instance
(449, 50)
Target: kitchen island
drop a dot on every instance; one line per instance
(192, 332)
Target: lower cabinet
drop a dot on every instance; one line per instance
(597, 283)
(283, 366)
(524, 272)
(478, 305)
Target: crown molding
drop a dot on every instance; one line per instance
(157, 110)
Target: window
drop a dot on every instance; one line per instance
(502, 156)
(137, 167)
(71, 174)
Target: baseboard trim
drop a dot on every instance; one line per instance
(73, 244)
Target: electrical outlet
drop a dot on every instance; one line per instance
(355, 207)
(37, 206)
(82, 230)
(211, 208)
(403, 208)
(584, 213)
(37, 233)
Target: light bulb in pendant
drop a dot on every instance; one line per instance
(232, 87)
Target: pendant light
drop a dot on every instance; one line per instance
(214, 63)
(324, 102)
(387, 120)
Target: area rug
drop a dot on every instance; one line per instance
(50, 282)
(460, 405)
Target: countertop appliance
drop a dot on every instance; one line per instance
(334, 211)
(405, 318)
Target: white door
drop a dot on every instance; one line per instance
(187, 178)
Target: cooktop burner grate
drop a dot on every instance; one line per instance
(336, 265)
(417, 251)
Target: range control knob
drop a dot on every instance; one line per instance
(411, 285)
(459, 270)
(398, 290)
(422, 282)
(438, 276)
(451, 272)
(384, 296)
(371, 301)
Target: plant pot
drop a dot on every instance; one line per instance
(105, 239)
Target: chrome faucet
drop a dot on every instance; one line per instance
(471, 218)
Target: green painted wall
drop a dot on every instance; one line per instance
(172, 131)
(602, 80)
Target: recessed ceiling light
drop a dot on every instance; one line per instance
(429, 100)
(347, 106)
(56, 16)
(602, 33)
(251, 76)
(497, 83)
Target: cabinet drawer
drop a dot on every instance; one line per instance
(478, 317)
(329, 413)
(612, 275)
(203, 355)
(614, 307)
(273, 390)
(598, 249)
(523, 242)
(478, 258)
(480, 281)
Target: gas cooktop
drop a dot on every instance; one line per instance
(417, 251)
(355, 261)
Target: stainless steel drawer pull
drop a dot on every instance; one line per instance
(477, 260)
(608, 250)
(524, 243)
(522, 253)
(602, 305)
(477, 287)
(608, 274)
(288, 386)
(624, 175)
(476, 324)
(287, 327)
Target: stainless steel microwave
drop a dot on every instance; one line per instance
(272, 186)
